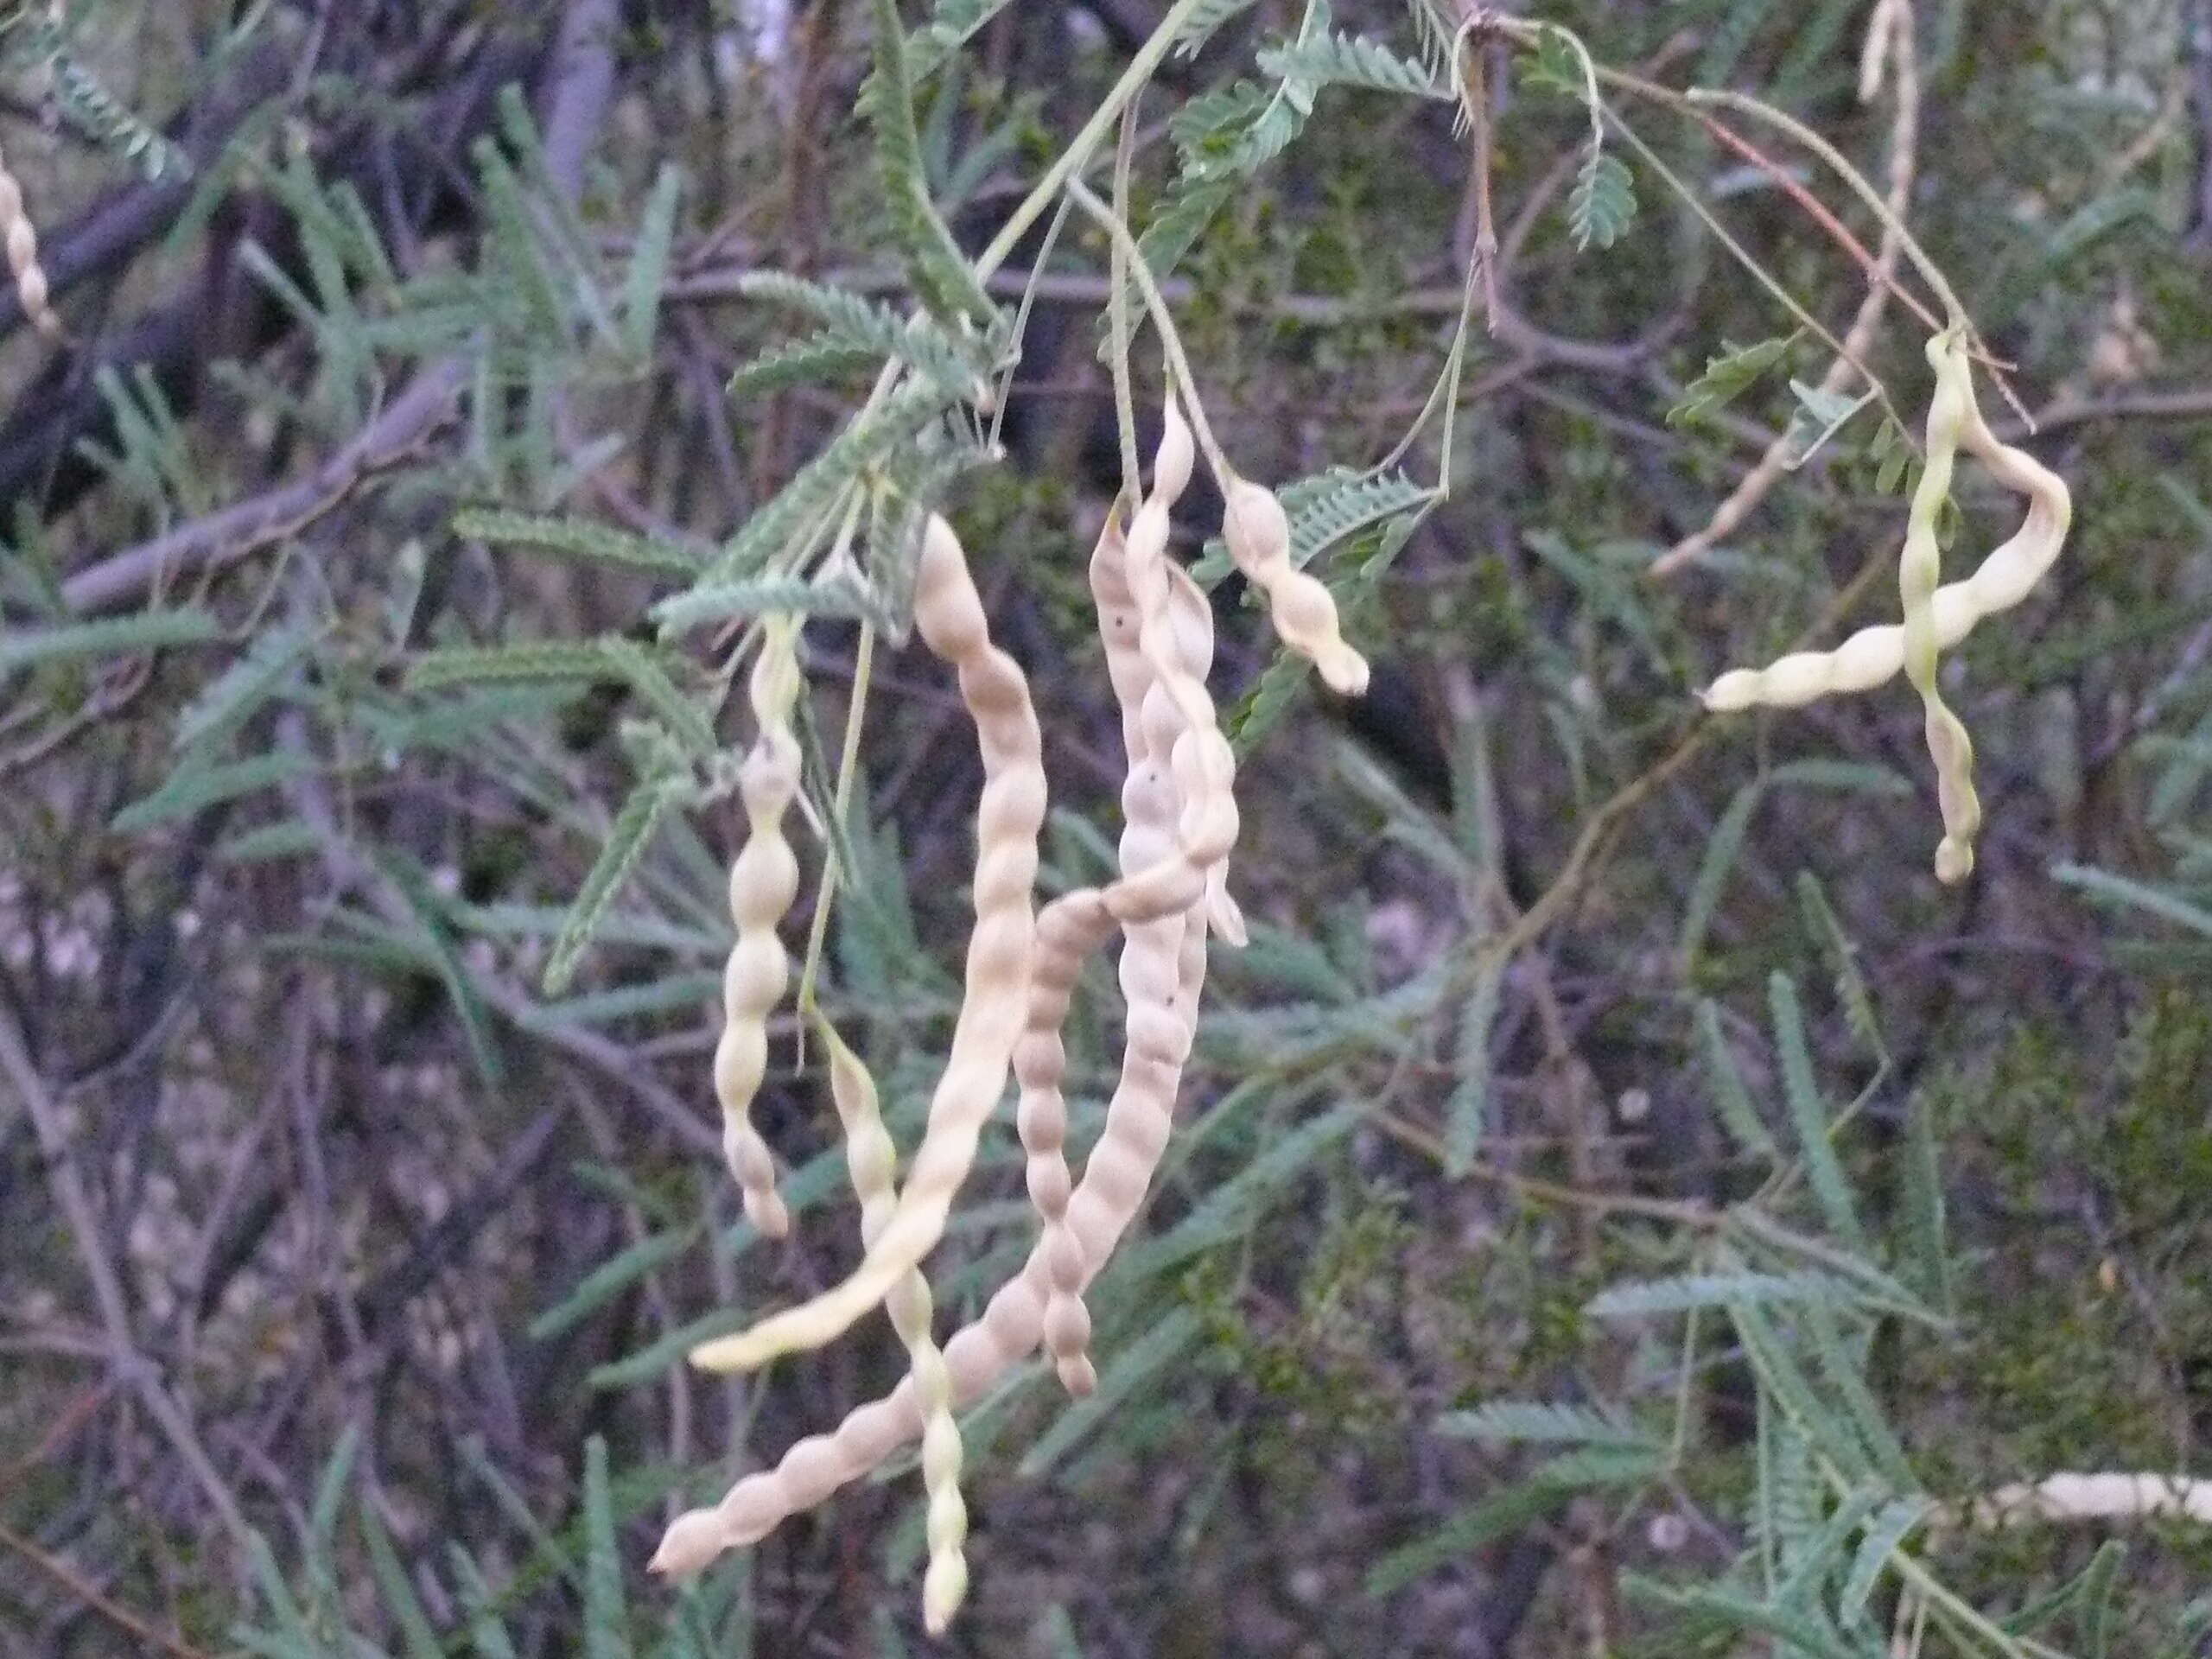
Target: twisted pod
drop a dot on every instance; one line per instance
(1920, 567)
(1104, 1202)
(1073, 925)
(1873, 655)
(870, 1157)
(1163, 986)
(1068, 931)
(1115, 1180)
(763, 881)
(20, 238)
(1257, 532)
(950, 614)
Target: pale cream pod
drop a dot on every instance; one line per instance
(1257, 532)
(20, 238)
(1139, 1121)
(1873, 655)
(763, 881)
(870, 1157)
(949, 614)
(1937, 617)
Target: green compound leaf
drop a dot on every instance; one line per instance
(1540, 1423)
(1553, 67)
(941, 274)
(1351, 60)
(626, 844)
(857, 334)
(1602, 202)
(1823, 1169)
(576, 538)
(147, 630)
(1204, 20)
(1727, 377)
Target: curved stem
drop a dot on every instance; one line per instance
(1743, 257)
(1171, 342)
(840, 811)
(1117, 310)
(1077, 154)
(1930, 270)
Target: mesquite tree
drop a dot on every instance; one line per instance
(1200, 699)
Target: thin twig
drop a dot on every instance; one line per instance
(86, 1232)
(1896, 22)
(91, 1594)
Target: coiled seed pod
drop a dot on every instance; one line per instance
(763, 881)
(1873, 655)
(19, 237)
(1257, 532)
(949, 614)
(1172, 715)
(870, 1157)
(1920, 569)
(1105, 1201)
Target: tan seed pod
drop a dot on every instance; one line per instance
(1068, 930)
(1151, 807)
(1873, 656)
(1177, 455)
(763, 881)
(19, 237)
(1163, 986)
(1257, 532)
(1920, 570)
(949, 612)
(870, 1157)
(1945, 615)
(1113, 1184)
(1126, 670)
(1190, 622)
(2108, 1497)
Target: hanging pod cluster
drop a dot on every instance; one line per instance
(1937, 615)
(1170, 894)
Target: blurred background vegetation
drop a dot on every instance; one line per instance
(1623, 1205)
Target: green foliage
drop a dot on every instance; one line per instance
(575, 538)
(1603, 201)
(1351, 60)
(939, 272)
(1598, 1095)
(1818, 416)
(311, 1615)
(618, 855)
(1204, 22)
(1726, 377)
(79, 94)
(143, 631)
(858, 334)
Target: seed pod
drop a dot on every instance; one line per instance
(1257, 532)
(1873, 655)
(1172, 460)
(1190, 615)
(1118, 621)
(1174, 640)
(870, 1156)
(763, 881)
(19, 237)
(1166, 831)
(1920, 569)
(1068, 930)
(949, 614)
(1115, 1181)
